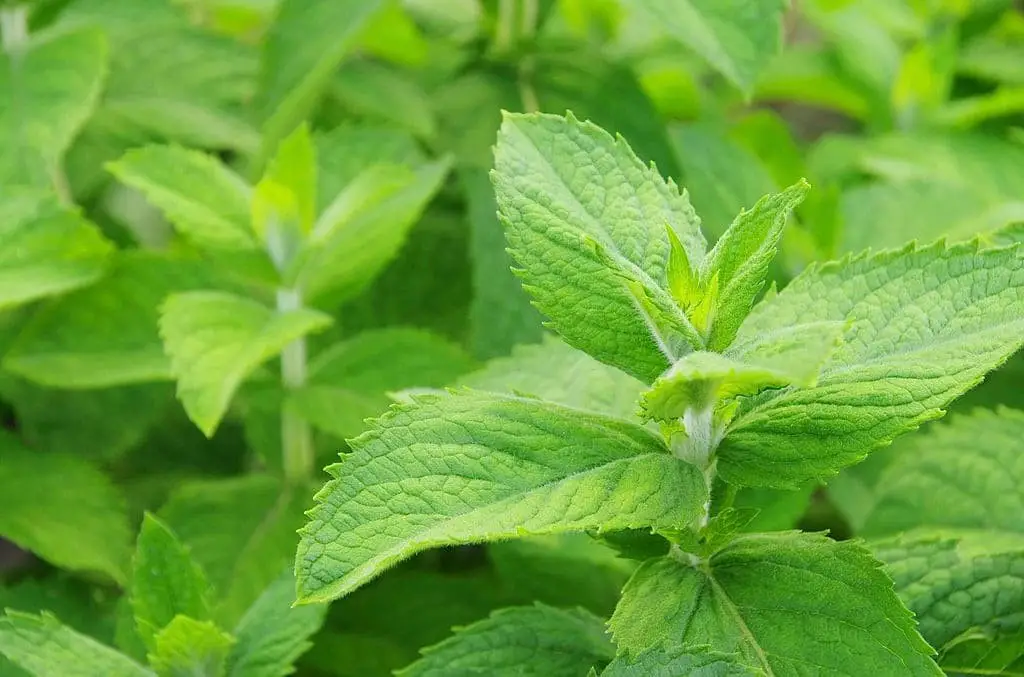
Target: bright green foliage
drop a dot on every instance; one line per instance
(736, 37)
(206, 201)
(216, 339)
(271, 635)
(45, 249)
(48, 88)
(846, 619)
(106, 334)
(554, 178)
(293, 169)
(538, 640)
(697, 662)
(927, 324)
(189, 647)
(166, 582)
(497, 466)
(81, 525)
(44, 647)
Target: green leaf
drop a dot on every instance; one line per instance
(559, 373)
(303, 47)
(675, 662)
(735, 37)
(481, 467)
(537, 640)
(293, 167)
(166, 582)
(741, 257)
(927, 323)
(106, 334)
(45, 647)
(204, 199)
(241, 531)
(216, 339)
(934, 463)
(763, 596)
(45, 249)
(569, 192)
(377, 91)
(187, 647)
(49, 87)
(63, 509)
(272, 634)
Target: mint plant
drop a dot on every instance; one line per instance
(771, 393)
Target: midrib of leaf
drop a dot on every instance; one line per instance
(744, 630)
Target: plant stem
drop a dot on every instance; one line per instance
(698, 448)
(504, 32)
(524, 80)
(14, 28)
(296, 435)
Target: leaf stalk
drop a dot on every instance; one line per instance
(296, 434)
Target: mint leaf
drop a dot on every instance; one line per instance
(204, 199)
(569, 192)
(294, 168)
(765, 596)
(166, 582)
(64, 509)
(44, 647)
(272, 635)
(933, 463)
(189, 647)
(241, 531)
(485, 467)
(537, 640)
(692, 662)
(215, 339)
(736, 37)
(559, 373)
(927, 323)
(106, 334)
(45, 249)
(49, 86)
(741, 257)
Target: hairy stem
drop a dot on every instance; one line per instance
(698, 448)
(296, 435)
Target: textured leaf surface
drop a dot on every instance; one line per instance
(586, 220)
(166, 582)
(205, 200)
(926, 325)
(677, 663)
(63, 509)
(216, 339)
(47, 92)
(735, 37)
(44, 647)
(190, 647)
(478, 467)
(272, 635)
(45, 249)
(538, 640)
(106, 334)
(784, 602)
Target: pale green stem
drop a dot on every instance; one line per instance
(14, 28)
(530, 14)
(504, 32)
(296, 435)
(698, 447)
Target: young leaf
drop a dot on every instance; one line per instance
(741, 257)
(44, 647)
(106, 334)
(272, 634)
(190, 647)
(585, 218)
(736, 37)
(45, 249)
(204, 199)
(215, 339)
(63, 509)
(927, 323)
(166, 582)
(781, 602)
(934, 463)
(48, 87)
(675, 661)
(485, 467)
(294, 169)
(536, 640)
